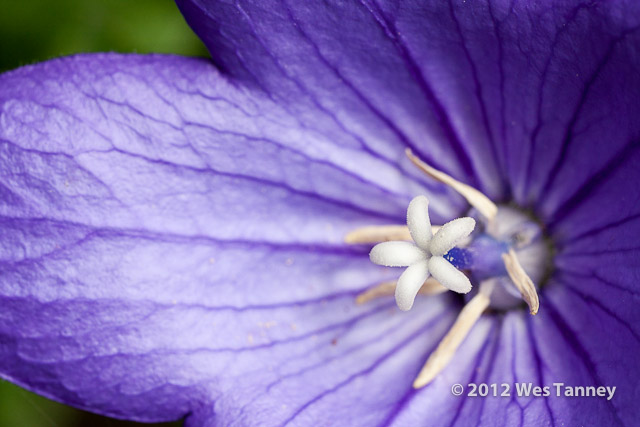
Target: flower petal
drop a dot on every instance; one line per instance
(541, 99)
(450, 235)
(598, 92)
(449, 276)
(171, 243)
(396, 254)
(470, 364)
(574, 338)
(594, 304)
(516, 95)
(410, 283)
(404, 70)
(440, 72)
(419, 222)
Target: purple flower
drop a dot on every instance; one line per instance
(171, 240)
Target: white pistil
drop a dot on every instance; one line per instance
(443, 354)
(381, 233)
(482, 203)
(522, 281)
(425, 256)
(430, 287)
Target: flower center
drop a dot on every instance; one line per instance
(505, 256)
(511, 229)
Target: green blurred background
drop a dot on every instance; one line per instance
(36, 30)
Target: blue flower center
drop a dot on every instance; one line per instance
(482, 257)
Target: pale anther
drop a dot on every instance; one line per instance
(482, 203)
(381, 233)
(442, 355)
(430, 287)
(378, 233)
(522, 281)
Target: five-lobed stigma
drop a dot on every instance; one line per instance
(426, 256)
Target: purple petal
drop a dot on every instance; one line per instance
(528, 101)
(594, 303)
(518, 98)
(409, 84)
(172, 244)
(595, 343)
(146, 197)
(434, 404)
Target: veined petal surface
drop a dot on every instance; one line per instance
(171, 244)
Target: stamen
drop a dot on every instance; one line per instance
(430, 287)
(378, 233)
(443, 354)
(522, 281)
(475, 198)
(381, 233)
